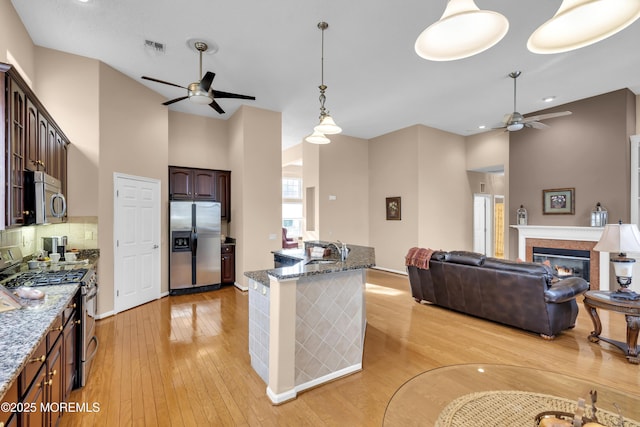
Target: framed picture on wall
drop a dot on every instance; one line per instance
(393, 208)
(558, 201)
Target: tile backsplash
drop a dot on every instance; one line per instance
(81, 232)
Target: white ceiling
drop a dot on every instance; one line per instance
(376, 82)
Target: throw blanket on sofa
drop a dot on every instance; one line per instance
(418, 257)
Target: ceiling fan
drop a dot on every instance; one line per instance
(516, 121)
(200, 92)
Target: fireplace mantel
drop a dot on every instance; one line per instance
(584, 234)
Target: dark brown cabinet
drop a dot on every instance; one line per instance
(228, 264)
(49, 375)
(201, 185)
(33, 142)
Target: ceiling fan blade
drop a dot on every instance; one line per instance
(162, 81)
(507, 118)
(174, 100)
(219, 94)
(536, 125)
(547, 116)
(216, 107)
(206, 81)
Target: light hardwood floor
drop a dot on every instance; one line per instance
(183, 360)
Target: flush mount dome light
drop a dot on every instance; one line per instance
(579, 23)
(462, 31)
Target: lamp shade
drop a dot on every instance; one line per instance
(327, 126)
(462, 31)
(317, 138)
(619, 238)
(579, 23)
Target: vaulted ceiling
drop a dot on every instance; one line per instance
(376, 82)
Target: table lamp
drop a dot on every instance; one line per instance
(621, 238)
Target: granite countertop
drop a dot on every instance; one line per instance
(359, 257)
(22, 330)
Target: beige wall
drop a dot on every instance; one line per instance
(198, 141)
(446, 200)
(77, 113)
(15, 39)
(133, 141)
(255, 154)
(311, 180)
(490, 149)
(343, 173)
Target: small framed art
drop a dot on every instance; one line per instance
(393, 208)
(558, 201)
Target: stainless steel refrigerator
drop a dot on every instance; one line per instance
(194, 258)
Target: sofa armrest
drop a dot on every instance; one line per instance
(565, 290)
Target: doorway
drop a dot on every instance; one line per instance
(482, 224)
(136, 231)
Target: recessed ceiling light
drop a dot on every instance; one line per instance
(548, 98)
(482, 127)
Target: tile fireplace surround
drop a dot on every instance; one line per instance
(566, 237)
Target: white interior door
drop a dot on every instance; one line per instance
(137, 241)
(482, 227)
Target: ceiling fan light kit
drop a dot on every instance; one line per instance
(515, 121)
(200, 92)
(326, 125)
(463, 30)
(580, 23)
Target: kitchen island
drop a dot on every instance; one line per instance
(307, 320)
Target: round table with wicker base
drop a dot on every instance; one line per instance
(501, 395)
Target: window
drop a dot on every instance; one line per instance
(292, 206)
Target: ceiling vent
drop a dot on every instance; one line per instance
(156, 47)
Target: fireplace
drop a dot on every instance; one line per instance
(570, 238)
(565, 262)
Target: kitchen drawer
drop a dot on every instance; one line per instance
(35, 362)
(227, 249)
(54, 332)
(69, 311)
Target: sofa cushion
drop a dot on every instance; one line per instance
(520, 267)
(440, 256)
(466, 258)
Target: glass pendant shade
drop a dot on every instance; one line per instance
(462, 31)
(579, 23)
(317, 138)
(327, 126)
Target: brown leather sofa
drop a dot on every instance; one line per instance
(524, 295)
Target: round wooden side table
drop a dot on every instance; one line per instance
(631, 309)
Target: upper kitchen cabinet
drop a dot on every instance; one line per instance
(201, 185)
(32, 141)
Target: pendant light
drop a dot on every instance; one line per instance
(327, 125)
(463, 30)
(579, 23)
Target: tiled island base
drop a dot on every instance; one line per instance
(306, 331)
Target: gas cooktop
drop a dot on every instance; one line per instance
(46, 278)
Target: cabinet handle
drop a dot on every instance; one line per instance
(59, 329)
(73, 305)
(78, 321)
(53, 373)
(48, 382)
(40, 359)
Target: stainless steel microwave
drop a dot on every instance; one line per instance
(44, 202)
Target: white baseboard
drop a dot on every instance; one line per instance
(239, 286)
(389, 270)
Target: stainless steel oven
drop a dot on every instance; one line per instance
(89, 340)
